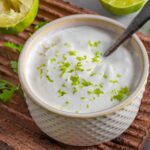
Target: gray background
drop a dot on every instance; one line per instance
(95, 6)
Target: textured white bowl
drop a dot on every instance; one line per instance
(88, 128)
(84, 132)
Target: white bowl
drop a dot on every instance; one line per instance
(88, 128)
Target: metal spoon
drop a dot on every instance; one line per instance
(137, 23)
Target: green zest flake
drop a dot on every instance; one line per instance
(89, 69)
(105, 76)
(95, 59)
(98, 54)
(74, 90)
(40, 24)
(82, 98)
(90, 92)
(72, 70)
(113, 81)
(41, 73)
(87, 106)
(13, 46)
(40, 69)
(41, 66)
(92, 74)
(81, 58)
(64, 67)
(65, 57)
(85, 83)
(57, 53)
(92, 99)
(49, 78)
(7, 90)
(78, 66)
(14, 65)
(118, 75)
(53, 59)
(75, 80)
(61, 93)
(72, 53)
(66, 102)
(93, 44)
(101, 85)
(98, 92)
(63, 85)
(120, 94)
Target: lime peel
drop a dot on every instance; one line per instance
(122, 7)
(13, 20)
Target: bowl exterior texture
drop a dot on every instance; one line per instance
(84, 132)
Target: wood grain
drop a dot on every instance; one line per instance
(17, 129)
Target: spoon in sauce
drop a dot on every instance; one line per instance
(136, 24)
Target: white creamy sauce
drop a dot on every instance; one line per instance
(68, 71)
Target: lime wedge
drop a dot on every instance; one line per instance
(17, 15)
(123, 7)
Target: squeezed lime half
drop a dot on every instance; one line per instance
(17, 15)
(123, 7)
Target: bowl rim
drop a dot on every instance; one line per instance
(111, 110)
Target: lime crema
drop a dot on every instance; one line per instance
(68, 71)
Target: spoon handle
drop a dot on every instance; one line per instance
(137, 23)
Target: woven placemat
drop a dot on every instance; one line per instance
(17, 129)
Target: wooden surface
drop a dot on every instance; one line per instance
(17, 129)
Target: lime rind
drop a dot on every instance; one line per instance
(13, 12)
(123, 9)
(123, 3)
(24, 20)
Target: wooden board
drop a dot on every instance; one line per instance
(17, 129)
